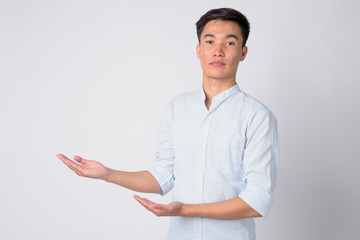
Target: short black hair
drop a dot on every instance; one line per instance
(228, 14)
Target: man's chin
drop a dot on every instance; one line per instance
(220, 77)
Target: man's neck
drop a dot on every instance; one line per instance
(213, 87)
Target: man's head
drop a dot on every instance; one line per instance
(222, 36)
(225, 14)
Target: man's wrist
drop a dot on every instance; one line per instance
(187, 210)
(107, 176)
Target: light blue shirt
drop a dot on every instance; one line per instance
(211, 155)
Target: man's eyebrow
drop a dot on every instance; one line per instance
(209, 35)
(232, 36)
(227, 36)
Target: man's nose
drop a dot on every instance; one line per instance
(218, 51)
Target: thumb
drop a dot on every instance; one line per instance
(79, 159)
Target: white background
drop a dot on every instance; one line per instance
(92, 78)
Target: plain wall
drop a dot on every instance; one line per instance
(92, 78)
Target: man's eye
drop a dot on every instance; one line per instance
(209, 42)
(230, 43)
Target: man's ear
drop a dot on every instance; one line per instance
(198, 50)
(244, 51)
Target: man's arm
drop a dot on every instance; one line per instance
(141, 181)
(234, 208)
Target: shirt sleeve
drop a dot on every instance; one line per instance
(165, 157)
(261, 160)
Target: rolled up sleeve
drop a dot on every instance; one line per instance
(261, 160)
(163, 169)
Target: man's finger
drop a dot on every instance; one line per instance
(70, 164)
(79, 159)
(74, 166)
(137, 198)
(165, 208)
(160, 213)
(151, 206)
(151, 203)
(62, 157)
(146, 203)
(143, 203)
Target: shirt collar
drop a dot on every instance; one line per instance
(221, 97)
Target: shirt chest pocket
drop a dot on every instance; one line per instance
(225, 153)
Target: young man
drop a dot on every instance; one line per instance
(217, 147)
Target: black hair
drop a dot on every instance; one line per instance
(228, 14)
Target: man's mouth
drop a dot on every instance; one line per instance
(217, 64)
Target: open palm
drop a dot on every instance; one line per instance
(85, 168)
(171, 209)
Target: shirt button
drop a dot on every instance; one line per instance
(203, 146)
(200, 176)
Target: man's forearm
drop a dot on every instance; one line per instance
(234, 208)
(142, 181)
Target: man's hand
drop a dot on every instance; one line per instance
(85, 168)
(171, 209)
(234, 208)
(141, 181)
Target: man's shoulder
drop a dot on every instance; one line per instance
(186, 97)
(252, 105)
(183, 102)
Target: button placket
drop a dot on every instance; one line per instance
(201, 169)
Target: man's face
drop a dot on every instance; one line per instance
(220, 49)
